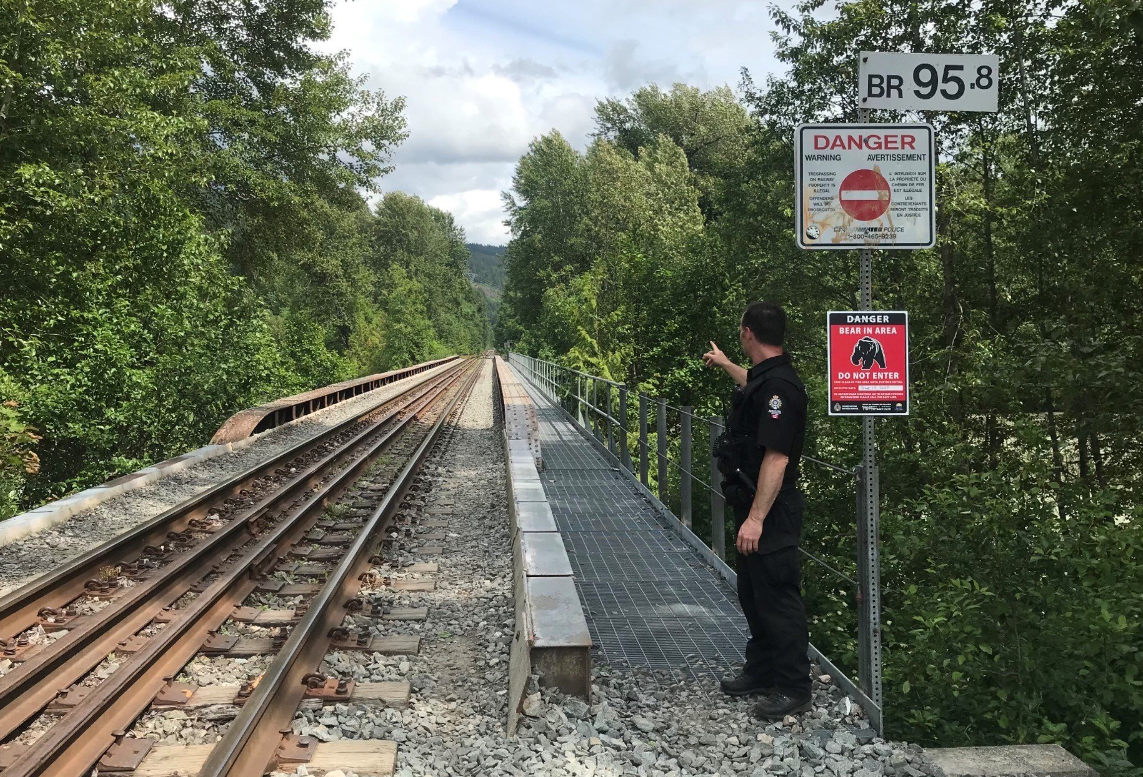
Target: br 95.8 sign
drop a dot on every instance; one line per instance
(929, 82)
(868, 359)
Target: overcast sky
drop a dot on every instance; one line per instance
(482, 78)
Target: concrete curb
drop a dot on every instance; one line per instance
(1000, 761)
(551, 638)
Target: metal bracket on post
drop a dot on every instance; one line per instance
(717, 500)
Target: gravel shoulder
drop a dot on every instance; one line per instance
(24, 560)
(654, 724)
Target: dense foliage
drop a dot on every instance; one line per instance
(1012, 532)
(182, 236)
(486, 268)
(487, 265)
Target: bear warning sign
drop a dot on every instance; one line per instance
(868, 358)
(864, 186)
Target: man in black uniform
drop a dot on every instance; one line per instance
(758, 458)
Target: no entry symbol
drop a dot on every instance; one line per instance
(865, 195)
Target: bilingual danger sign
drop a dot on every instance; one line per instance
(868, 358)
(864, 186)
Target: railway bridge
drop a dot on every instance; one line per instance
(472, 566)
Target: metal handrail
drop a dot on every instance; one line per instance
(715, 493)
(547, 377)
(705, 419)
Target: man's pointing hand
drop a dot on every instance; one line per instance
(715, 357)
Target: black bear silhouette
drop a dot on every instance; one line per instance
(867, 351)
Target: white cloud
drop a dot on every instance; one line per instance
(626, 71)
(482, 78)
(480, 208)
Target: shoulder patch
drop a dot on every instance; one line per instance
(775, 405)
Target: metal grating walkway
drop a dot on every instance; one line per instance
(649, 598)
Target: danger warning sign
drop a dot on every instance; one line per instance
(868, 358)
(864, 186)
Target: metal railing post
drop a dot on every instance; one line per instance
(594, 411)
(717, 500)
(608, 418)
(624, 453)
(685, 508)
(579, 399)
(643, 439)
(661, 448)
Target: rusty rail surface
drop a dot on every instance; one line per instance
(281, 411)
(227, 565)
(254, 736)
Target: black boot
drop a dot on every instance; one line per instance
(779, 704)
(743, 685)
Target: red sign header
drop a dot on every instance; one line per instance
(873, 141)
(868, 359)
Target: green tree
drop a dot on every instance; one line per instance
(181, 232)
(408, 331)
(1024, 440)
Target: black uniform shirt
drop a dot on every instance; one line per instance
(779, 405)
(780, 408)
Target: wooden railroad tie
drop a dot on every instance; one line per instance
(185, 696)
(247, 647)
(287, 589)
(411, 586)
(363, 756)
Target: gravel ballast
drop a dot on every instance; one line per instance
(655, 724)
(638, 722)
(27, 558)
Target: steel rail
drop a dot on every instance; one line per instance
(32, 684)
(72, 746)
(58, 587)
(253, 737)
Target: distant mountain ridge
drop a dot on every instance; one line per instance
(486, 265)
(486, 268)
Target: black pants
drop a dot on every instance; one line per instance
(769, 590)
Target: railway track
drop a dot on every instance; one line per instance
(267, 565)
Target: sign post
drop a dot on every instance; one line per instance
(868, 525)
(869, 186)
(868, 535)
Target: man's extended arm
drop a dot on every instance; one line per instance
(770, 476)
(716, 358)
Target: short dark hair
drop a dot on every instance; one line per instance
(767, 321)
